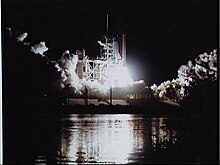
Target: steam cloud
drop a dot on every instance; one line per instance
(67, 68)
(205, 66)
(21, 37)
(39, 48)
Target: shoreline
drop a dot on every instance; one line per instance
(55, 108)
(149, 109)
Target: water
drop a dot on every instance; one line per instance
(105, 139)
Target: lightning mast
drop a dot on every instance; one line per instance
(107, 23)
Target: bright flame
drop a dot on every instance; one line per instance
(118, 76)
(115, 76)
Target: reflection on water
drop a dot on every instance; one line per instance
(161, 136)
(103, 139)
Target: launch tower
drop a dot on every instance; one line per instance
(112, 55)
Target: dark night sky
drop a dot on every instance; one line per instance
(161, 34)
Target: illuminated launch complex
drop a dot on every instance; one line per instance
(96, 78)
(108, 69)
(112, 58)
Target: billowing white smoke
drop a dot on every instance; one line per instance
(39, 48)
(67, 68)
(21, 37)
(205, 67)
(139, 84)
(115, 76)
(9, 31)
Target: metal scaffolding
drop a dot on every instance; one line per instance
(112, 53)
